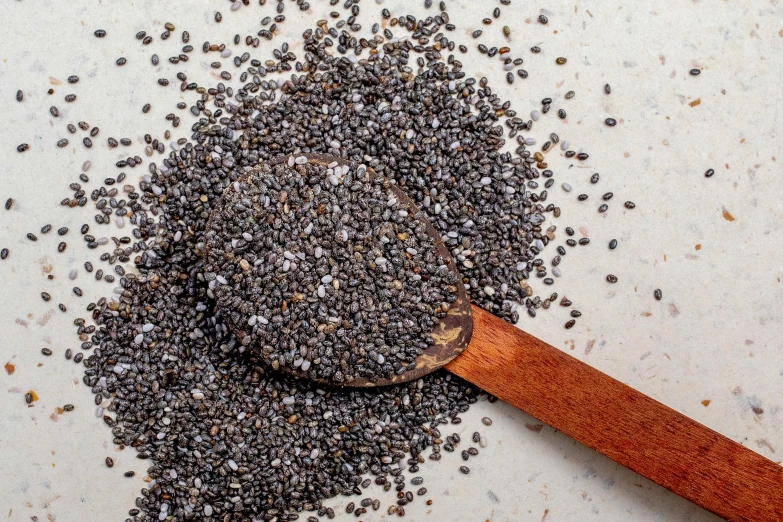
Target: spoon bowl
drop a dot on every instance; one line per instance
(451, 334)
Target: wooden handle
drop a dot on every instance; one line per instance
(630, 428)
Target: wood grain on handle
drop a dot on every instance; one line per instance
(630, 428)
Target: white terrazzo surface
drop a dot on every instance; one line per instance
(710, 349)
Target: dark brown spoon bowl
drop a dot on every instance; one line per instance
(452, 334)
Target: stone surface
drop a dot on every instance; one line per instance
(710, 348)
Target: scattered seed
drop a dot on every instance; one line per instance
(183, 282)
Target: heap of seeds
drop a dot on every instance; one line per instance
(228, 440)
(321, 269)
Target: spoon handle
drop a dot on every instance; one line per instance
(627, 426)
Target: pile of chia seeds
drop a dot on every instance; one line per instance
(234, 272)
(318, 268)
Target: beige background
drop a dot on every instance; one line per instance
(710, 348)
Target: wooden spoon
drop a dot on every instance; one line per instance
(632, 429)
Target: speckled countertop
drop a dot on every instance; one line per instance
(710, 348)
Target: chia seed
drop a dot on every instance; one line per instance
(168, 348)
